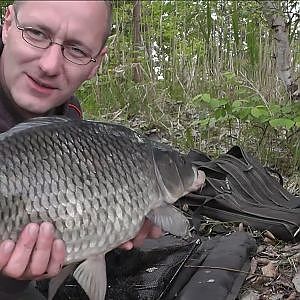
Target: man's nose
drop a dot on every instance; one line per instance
(52, 60)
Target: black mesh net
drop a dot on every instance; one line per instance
(137, 274)
(171, 268)
(144, 274)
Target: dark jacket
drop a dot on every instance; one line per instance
(8, 119)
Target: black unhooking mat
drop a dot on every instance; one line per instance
(171, 268)
(239, 189)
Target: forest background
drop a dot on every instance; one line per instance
(204, 75)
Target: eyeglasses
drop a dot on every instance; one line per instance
(39, 39)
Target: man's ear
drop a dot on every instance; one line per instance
(98, 62)
(8, 19)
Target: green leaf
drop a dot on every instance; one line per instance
(204, 122)
(287, 109)
(229, 76)
(297, 121)
(282, 122)
(260, 112)
(220, 113)
(215, 103)
(275, 109)
(242, 112)
(239, 103)
(205, 97)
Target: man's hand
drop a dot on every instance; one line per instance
(148, 230)
(35, 255)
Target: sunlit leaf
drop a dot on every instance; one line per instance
(282, 122)
(205, 97)
(230, 76)
(260, 112)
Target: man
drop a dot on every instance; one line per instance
(49, 49)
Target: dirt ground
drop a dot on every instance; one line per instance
(275, 272)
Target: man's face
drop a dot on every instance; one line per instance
(40, 79)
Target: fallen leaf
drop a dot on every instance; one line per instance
(261, 248)
(241, 227)
(252, 295)
(253, 266)
(296, 280)
(269, 270)
(262, 260)
(292, 296)
(278, 296)
(269, 235)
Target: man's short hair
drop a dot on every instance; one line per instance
(17, 4)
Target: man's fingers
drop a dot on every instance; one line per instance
(20, 257)
(148, 230)
(142, 234)
(57, 258)
(127, 245)
(6, 249)
(42, 251)
(155, 232)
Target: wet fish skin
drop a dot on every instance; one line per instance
(94, 181)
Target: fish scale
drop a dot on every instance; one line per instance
(94, 181)
(39, 171)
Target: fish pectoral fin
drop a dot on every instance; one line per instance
(91, 275)
(170, 219)
(57, 281)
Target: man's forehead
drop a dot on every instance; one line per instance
(88, 19)
(101, 3)
(100, 10)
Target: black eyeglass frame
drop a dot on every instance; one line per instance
(51, 42)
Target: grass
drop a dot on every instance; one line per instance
(171, 114)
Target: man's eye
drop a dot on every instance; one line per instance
(35, 34)
(75, 52)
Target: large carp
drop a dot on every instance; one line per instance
(96, 182)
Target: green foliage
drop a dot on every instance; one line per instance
(209, 78)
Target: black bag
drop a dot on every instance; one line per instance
(239, 189)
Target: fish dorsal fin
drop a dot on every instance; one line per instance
(56, 282)
(170, 219)
(34, 122)
(91, 275)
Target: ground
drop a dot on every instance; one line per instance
(275, 271)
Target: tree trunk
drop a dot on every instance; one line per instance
(137, 71)
(282, 52)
